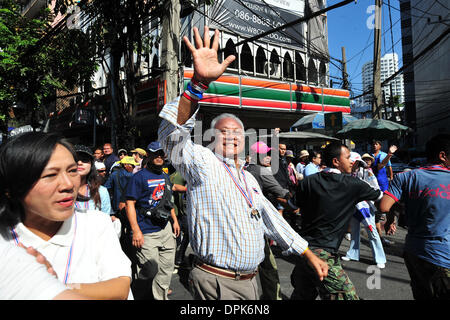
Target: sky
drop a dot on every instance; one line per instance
(350, 26)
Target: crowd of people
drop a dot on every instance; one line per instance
(117, 226)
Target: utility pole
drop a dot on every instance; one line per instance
(391, 104)
(376, 62)
(344, 70)
(170, 48)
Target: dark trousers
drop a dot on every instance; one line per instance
(182, 241)
(428, 281)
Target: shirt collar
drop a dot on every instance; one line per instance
(230, 162)
(63, 237)
(331, 170)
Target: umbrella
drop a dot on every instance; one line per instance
(368, 129)
(317, 121)
(300, 135)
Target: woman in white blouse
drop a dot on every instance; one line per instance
(38, 189)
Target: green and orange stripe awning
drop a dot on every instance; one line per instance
(244, 92)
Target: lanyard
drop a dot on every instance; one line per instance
(248, 196)
(69, 257)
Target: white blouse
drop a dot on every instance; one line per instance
(85, 249)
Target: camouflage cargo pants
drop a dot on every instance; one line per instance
(336, 286)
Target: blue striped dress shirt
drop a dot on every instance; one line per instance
(222, 230)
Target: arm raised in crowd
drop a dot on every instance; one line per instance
(206, 67)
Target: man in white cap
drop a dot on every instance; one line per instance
(366, 216)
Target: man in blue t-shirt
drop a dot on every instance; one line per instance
(382, 167)
(426, 194)
(153, 238)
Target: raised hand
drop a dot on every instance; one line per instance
(206, 65)
(392, 149)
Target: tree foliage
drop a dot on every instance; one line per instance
(120, 29)
(35, 60)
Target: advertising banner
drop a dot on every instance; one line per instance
(253, 17)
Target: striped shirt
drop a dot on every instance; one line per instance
(222, 230)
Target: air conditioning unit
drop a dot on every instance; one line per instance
(275, 69)
(144, 67)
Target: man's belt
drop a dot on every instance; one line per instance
(229, 274)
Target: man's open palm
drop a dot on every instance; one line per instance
(206, 65)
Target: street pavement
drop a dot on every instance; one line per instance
(391, 283)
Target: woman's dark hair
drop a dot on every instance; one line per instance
(94, 181)
(313, 154)
(22, 160)
(435, 145)
(331, 151)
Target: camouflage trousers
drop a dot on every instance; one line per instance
(307, 285)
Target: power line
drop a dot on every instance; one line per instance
(295, 63)
(428, 48)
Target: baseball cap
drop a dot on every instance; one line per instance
(79, 148)
(154, 146)
(122, 150)
(99, 165)
(142, 152)
(260, 147)
(289, 153)
(128, 160)
(354, 156)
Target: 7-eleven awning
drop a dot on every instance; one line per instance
(268, 95)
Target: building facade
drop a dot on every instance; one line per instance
(389, 66)
(427, 95)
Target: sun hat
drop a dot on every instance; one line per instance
(128, 160)
(367, 156)
(154, 146)
(289, 153)
(304, 153)
(354, 156)
(260, 147)
(142, 152)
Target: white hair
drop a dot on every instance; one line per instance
(226, 116)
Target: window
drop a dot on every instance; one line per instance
(300, 70)
(322, 73)
(312, 71)
(274, 64)
(261, 61)
(186, 57)
(246, 58)
(288, 69)
(231, 50)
